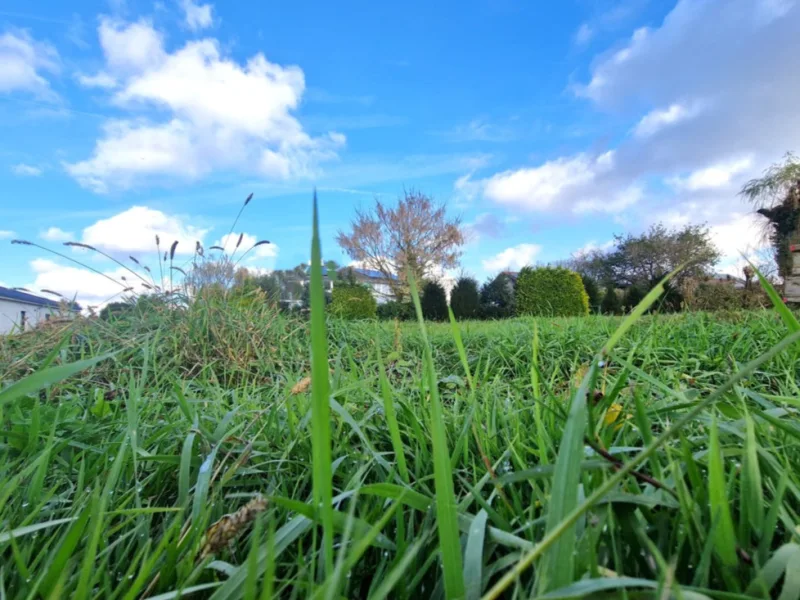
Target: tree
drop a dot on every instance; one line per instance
(633, 295)
(416, 235)
(465, 299)
(434, 301)
(776, 196)
(611, 304)
(646, 258)
(211, 273)
(593, 291)
(550, 291)
(497, 297)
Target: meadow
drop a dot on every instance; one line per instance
(207, 452)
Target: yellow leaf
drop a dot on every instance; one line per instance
(612, 413)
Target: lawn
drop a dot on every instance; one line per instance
(481, 466)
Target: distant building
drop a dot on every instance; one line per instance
(20, 311)
(376, 281)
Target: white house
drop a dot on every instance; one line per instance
(377, 283)
(20, 311)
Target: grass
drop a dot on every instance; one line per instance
(552, 457)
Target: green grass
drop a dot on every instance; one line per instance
(471, 460)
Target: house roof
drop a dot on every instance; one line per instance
(373, 274)
(27, 298)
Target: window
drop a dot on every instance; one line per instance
(22, 320)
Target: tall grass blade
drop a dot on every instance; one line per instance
(724, 537)
(320, 408)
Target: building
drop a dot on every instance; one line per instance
(376, 281)
(20, 311)
(726, 279)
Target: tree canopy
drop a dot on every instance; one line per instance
(416, 234)
(646, 258)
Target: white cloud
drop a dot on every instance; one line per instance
(22, 62)
(55, 234)
(222, 115)
(130, 47)
(135, 230)
(660, 118)
(584, 34)
(24, 170)
(6, 234)
(616, 204)
(513, 258)
(229, 241)
(715, 176)
(198, 16)
(593, 246)
(484, 225)
(98, 80)
(550, 185)
(87, 287)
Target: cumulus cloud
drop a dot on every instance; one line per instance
(221, 114)
(24, 170)
(715, 176)
(23, 62)
(513, 258)
(55, 234)
(198, 16)
(553, 184)
(229, 241)
(87, 287)
(135, 230)
(593, 246)
(661, 118)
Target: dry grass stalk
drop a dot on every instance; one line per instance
(224, 531)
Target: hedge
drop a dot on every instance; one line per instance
(353, 302)
(465, 299)
(551, 291)
(434, 302)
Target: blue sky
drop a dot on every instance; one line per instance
(547, 127)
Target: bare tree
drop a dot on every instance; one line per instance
(416, 235)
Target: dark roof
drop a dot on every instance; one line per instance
(9, 294)
(373, 274)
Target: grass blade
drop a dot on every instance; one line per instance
(320, 407)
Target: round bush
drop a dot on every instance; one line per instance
(353, 302)
(551, 291)
(465, 299)
(434, 302)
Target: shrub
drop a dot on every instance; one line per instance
(714, 297)
(434, 302)
(552, 291)
(611, 304)
(497, 297)
(465, 299)
(633, 295)
(593, 292)
(404, 311)
(353, 302)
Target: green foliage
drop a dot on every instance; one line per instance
(551, 291)
(195, 414)
(593, 292)
(715, 296)
(611, 304)
(350, 301)
(633, 295)
(465, 299)
(497, 297)
(391, 310)
(434, 301)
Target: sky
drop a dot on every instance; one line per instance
(547, 127)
